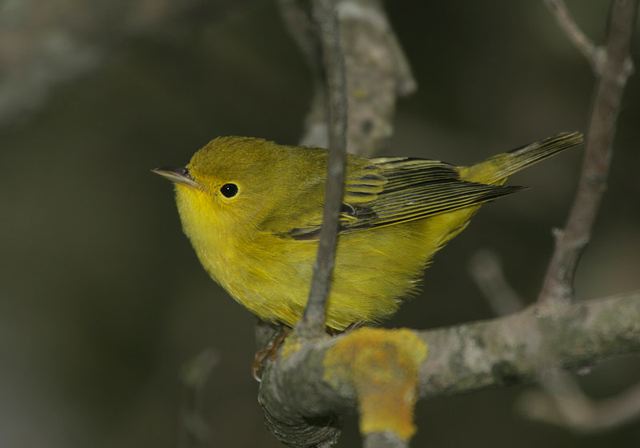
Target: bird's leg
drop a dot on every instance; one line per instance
(269, 351)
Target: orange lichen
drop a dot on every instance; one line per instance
(382, 366)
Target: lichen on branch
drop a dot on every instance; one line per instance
(302, 399)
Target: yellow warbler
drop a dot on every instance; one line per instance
(252, 210)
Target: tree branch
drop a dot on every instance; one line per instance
(593, 54)
(383, 440)
(314, 381)
(302, 400)
(570, 242)
(313, 320)
(582, 416)
(562, 401)
(487, 272)
(361, 72)
(377, 71)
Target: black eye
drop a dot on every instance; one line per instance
(229, 190)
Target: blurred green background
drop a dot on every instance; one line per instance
(102, 300)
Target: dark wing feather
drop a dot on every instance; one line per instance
(395, 190)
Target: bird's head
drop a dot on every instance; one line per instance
(233, 184)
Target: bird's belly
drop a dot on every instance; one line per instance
(374, 268)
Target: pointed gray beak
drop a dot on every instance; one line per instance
(177, 175)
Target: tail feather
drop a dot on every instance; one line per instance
(498, 168)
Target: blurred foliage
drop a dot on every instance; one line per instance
(102, 300)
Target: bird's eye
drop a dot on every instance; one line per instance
(229, 190)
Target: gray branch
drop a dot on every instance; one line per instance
(584, 45)
(313, 320)
(377, 72)
(582, 414)
(384, 440)
(303, 407)
(613, 74)
(301, 404)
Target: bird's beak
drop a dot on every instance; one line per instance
(177, 175)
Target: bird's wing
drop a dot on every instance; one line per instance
(389, 191)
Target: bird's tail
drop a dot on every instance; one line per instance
(498, 168)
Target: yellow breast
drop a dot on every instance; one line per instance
(270, 275)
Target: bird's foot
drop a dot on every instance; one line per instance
(268, 352)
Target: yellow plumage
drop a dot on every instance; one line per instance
(252, 210)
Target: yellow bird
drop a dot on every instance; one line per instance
(253, 209)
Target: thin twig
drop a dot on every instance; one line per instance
(593, 54)
(486, 270)
(558, 283)
(583, 417)
(313, 320)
